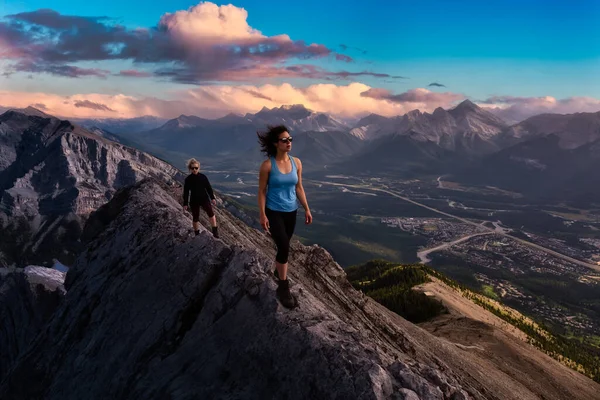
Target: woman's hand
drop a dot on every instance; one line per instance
(307, 217)
(264, 222)
(214, 202)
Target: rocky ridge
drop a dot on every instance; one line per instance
(153, 312)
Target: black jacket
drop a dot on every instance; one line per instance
(199, 187)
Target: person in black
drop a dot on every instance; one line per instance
(198, 193)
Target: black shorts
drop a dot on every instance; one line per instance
(207, 207)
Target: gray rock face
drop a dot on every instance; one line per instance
(152, 312)
(28, 298)
(52, 175)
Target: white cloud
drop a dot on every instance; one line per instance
(516, 109)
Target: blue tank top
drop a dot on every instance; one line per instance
(281, 188)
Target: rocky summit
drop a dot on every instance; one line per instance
(52, 175)
(153, 312)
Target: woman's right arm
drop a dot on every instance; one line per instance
(263, 178)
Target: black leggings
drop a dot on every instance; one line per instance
(281, 226)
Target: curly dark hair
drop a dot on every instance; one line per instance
(269, 138)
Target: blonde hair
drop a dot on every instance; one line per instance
(192, 161)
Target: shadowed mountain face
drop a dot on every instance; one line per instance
(542, 169)
(572, 130)
(153, 312)
(399, 156)
(54, 173)
(28, 299)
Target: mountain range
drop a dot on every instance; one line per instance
(467, 144)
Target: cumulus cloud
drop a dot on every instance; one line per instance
(203, 43)
(516, 109)
(218, 100)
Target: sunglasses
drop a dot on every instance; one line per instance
(286, 139)
(194, 168)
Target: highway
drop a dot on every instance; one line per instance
(466, 221)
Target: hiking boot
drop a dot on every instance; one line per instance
(215, 232)
(284, 295)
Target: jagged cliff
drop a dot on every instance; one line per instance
(152, 312)
(52, 175)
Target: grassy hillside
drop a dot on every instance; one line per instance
(390, 284)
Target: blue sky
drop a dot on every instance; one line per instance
(480, 49)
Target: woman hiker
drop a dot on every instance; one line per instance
(279, 189)
(198, 193)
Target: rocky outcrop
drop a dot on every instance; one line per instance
(153, 312)
(28, 298)
(52, 175)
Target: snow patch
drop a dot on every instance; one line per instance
(49, 277)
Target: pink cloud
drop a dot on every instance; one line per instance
(516, 109)
(206, 42)
(92, 105)
(134, 73)
(218, 100)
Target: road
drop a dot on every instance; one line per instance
(466, 221)
(424, 253)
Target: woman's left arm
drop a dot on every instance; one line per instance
(301, 194)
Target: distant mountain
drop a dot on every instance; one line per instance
(573, 130)
(549, 157)
(404, 155)
(121, 125)
(231, 141)
(297, 118)
(317, 150)
(542, 169)
(30, 111)
(105, 134)
(370, 127)
(467, 128)
(52, 175)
